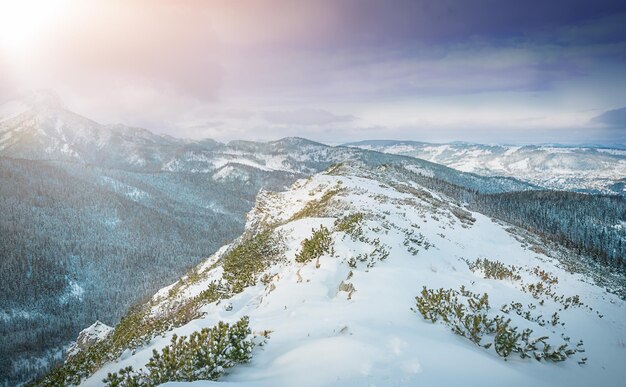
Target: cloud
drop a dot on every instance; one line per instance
(615, 118)
(306, 117)
(241, 69)
(210, 50)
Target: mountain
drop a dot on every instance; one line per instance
(78, 197)
(96, 218)
(45, 130)
(366, 275)
(585, 169)
(40, 128)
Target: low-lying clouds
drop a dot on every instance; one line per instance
(306, 117)
(336, 71)
(615, 119)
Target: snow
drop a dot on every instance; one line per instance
(564, 168)
(620, 152)
(436, 150)
(220, 162)
(276, 162)
(520, 165)
(511, 150)
(270, 162)
(96, 332)
(7, 315)
(136, 159)
(73, 290)
(321, 336)
(5, 138)
(230, 172)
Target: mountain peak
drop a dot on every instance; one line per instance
(295, 141)
(30, 100)
(44, 98)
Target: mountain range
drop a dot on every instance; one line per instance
(97, 218)
(581, 168)
(79, 197)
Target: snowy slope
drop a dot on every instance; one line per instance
(348, 318)
(567, 168)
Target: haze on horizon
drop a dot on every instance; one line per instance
(331, 71)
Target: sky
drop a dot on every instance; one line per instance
(333, 71)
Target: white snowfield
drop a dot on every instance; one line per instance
(331, 324)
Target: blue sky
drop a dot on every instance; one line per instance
(333, 71)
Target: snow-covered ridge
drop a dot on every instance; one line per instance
(348, 317)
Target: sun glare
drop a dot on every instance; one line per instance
(23, 23)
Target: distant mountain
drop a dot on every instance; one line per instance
(38, 127)
(585, 169)
(45, 130)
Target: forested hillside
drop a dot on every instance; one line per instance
(590, 224)
(83, 243)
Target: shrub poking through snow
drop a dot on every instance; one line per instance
(204, 355)
(545, 276)
(318, 244)
(350, 224)
(320, 207)
(334, 169)
(495, 269)
(414, 242)
(378, 254)
(466, 314)
(250, 258)
(542, 290)
(135, 329)
(241, 266)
